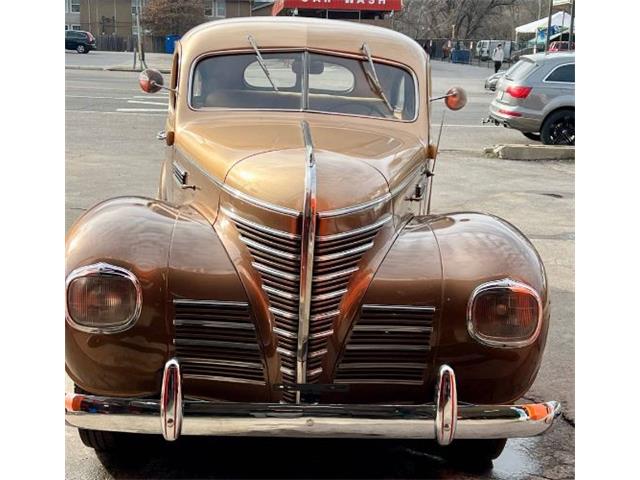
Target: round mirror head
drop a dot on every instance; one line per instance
(456, 98)
(150, 80)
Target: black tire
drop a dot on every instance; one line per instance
(100, 441)
(532, 136)
(559, 128)
(81, 49)
(473, 452)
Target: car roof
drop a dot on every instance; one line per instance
(301, 32)
(551, 57)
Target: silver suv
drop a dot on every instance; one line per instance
(537, 97)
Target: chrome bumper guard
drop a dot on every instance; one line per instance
(444, 420)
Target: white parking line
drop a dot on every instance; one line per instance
(141, 110)
(147, 103)
(97, 97)
(128, 111)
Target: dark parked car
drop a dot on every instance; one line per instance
(80, 41)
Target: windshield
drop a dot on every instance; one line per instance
(303, 81)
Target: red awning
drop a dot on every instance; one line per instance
(379, 5)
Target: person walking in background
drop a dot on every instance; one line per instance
(498, 57)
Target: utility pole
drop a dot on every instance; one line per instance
(546, 48)
(535, 44)
(142, 62)
(571, 25)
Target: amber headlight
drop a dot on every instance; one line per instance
(102, 298)
(504, 313)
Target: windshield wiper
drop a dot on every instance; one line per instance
(373, 78)
(263, 65)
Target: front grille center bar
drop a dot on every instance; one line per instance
(307, 245)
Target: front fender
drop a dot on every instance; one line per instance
(438, 261)
(476, 248)
(133, 233)
(174, 253)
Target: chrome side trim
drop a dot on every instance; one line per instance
(374, 347)
(103, 269)
(331, 276)
(279, 293)
(274, 272)
(510, 284)
(321, 316)
(357, 231)
(416, 366)
(392, 328)
(237, 193)
(223, 363)
(344, 253)
(269, 250)
(446, 406)
(376, 201)
(307, 245)
(327, 296)
(373, 306)
(214, 324)
(257, 226)
(217, 378)
(212, 303)
(215, 343)
(171, 401)
(374, 381)
(282, 313)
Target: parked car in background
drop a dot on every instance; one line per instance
(560, 46)
(291, 279)
(79, 40)
(485, 48)
(537, 97)
(491, 82)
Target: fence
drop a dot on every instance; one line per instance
(117, 43)
(444, 49)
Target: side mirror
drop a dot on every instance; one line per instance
(456, 98)
(150, 81)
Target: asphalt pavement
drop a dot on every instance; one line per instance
(111, 150)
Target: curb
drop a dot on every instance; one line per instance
(531, 152)
(115, 68)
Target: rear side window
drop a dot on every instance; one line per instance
(520, 70)
(565, 73)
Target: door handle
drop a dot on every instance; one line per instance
(180, 175)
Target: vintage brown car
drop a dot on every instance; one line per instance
(290, 279)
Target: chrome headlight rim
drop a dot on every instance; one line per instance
(107, 269)
(510, 284)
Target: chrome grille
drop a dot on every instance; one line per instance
(336, 258)
(388, 344)
(216, 340)
(276, 255)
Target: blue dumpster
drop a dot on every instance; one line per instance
(461, 56)
(170, 43)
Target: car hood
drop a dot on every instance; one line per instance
(266, 159)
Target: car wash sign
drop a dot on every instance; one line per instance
(380, 5)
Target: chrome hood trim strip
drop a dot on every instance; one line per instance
(307, 246)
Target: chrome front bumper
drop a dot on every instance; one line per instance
(444, 420)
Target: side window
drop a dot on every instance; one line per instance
(175, 74)
(565, 74)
